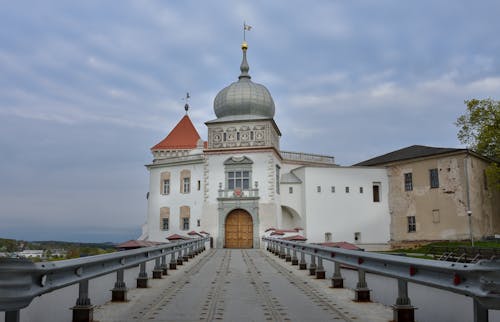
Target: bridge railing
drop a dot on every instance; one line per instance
(22, 280)
(480, 280)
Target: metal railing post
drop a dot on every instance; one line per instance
(337, 280)
(142, 279)
(403, 311)
(12, 316)
(282, 253)
(185, 257)
(361, 292)
(83, 311)
(302, 263)
(480, 312)
(320, 271)
(157, 270)
(312, 266)
(119, 292)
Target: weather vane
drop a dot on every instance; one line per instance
(186, 106)
(245, 29)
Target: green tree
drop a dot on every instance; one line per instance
(479, 129)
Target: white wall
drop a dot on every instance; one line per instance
(341, 213)
(174, 200)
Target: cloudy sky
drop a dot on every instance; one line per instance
(87, 87)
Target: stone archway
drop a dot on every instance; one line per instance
(238, 230)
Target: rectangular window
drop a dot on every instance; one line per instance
(199, 185)
(376, 192)
(251, 135)
(198, 223)
(164, 223)
(290, 189)
(238, 179)
(224, 136)
(166, 186)
(408, 182)
(237, 136)
(333, 189)
(318, 188)
(185, 223)
(434, 177)
(360, 189)
(412, 224)
(346, 189)
(186, 187)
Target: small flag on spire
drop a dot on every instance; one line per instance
(247, 27)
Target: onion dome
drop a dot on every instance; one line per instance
(244, 97)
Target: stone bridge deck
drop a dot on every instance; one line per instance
(240, 285)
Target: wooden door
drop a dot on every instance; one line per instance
(239, 230)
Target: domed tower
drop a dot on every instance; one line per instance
(245, 112)
(242, 164)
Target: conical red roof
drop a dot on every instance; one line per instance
(183, 136)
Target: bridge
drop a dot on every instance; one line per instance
(286, 281)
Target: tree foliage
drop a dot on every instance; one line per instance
(479, 129)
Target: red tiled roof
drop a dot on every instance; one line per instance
(193, 233)
(283, 231)
(176, 237)
(136, 244)
(183, 136)
(295, 238)
(344, 245)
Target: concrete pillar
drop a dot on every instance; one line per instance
(312, 266)
(288, 257)
(164, 266)
(320, 271)
(403, 311)
(480, 312)
(173, 261)
(83, 311)
(142, 279)
(185, 257)
(157, 270)
(337, 280)
(191, 251)
(282, 252)
(119, 292)
(12, 316)
(302, 263)
(179, 258)
(295, 260)
(361, 292)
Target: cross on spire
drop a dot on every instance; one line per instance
(186, 106)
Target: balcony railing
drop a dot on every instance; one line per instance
(239, 193)
(308, 157)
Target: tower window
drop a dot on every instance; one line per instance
(412, 224)
(360, 189)
(346, 189)
(238, 179)
(186, 185)
(166, 186)
(318, 188)
(290, 189)
(376, 192)
(333, 189)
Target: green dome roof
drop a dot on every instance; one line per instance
(244, 97)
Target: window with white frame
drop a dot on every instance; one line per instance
(408, 181)
(186, 186)
(166, 186)
(238, 173)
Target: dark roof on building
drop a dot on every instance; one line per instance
(411, 152)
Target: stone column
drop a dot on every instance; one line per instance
(142, 279)
(361, 292)
(302, 263)
(320, 271)
(403, 311)
(312, 266)
(295, 260)
(83, 311)
(157, 270)
(179, 258)
(164, 266)
(337, 280)
(288, 257)
(119, 292)
(173, 261)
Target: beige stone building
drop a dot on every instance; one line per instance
(432, 191)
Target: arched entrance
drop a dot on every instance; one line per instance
(239, 230)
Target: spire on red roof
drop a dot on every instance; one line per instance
(183, 136)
